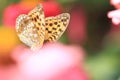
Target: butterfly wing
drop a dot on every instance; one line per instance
(31, 27)
(55, 26)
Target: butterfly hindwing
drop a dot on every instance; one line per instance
(55, 26)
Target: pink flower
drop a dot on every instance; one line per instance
(51, 62)
(115, 3)
(115, 16)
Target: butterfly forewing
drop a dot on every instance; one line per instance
(31, 29)
(55, 26)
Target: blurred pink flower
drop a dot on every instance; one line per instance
(115, 3)
(115, 16)
(51, 62)
(77, 27)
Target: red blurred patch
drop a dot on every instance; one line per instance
(12, 12)
(52, 8)
(77, 27)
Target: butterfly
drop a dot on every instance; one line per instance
(34, 29)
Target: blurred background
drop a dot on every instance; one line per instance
(89, 28)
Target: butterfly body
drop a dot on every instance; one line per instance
(33, 29)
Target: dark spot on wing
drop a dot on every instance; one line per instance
(46, 28)
(39, 24)
(54, 28)
(46, 24)
(45, 41)
(55, 33)
(62, 20)
(54, 36)
(43, 24)
(32, 19)
(37, 28)
(49, 31)
(64, 24)
(55, 23)
(58, 25)
(40, 19)
(60, 30)
(50, 24)
(35, 19)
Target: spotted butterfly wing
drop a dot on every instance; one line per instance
(31, 28)
(55, 26)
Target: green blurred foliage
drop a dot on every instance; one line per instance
(105, 65)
